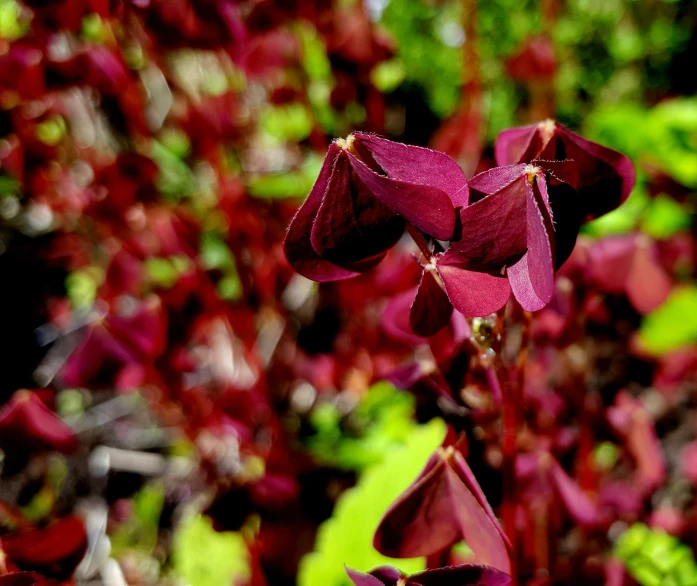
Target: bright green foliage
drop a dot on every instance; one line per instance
(382, 421)
(175, 179)
(289, 122)
(52, 130)
(664, 136)
(605, 455)
(11, 26)
(290, 184)
(667, 328)
(624, 219)
(93, 28)
(665, 217)
(655, 558)
(215, 254)
(318, 69)
(164, 272)
(347, 537)
(141, 530)
(202, 556)
(81, 286)
(387, 76)
(421, 30)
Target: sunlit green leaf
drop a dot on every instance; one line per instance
(204, 557)
(655, 558)
(669, 327)
(295, 184)
(347, 537)
(664, 217)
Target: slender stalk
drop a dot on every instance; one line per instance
(509, 448)
(512, 390)
(420, 241)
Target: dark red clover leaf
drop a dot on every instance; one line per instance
(462, 575)
(507, 245)
(605, 177)
(443, 506)
(367, 187)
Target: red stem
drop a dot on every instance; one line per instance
(420, 242)
(513, 403)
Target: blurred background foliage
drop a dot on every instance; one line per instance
(624, 75)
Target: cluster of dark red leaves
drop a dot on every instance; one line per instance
(78, 117)
(225, 373)
(509, 228)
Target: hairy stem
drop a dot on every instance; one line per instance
(420, 241)
(512, 388)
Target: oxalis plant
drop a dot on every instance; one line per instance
(489, 248)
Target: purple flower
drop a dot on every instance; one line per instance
(444, 505)
(366, 190)
(461, 575)
(605, 177)
(508, 243)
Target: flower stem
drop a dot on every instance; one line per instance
(420, 241)
(509, 448)
(513, 402)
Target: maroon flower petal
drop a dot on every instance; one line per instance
(471, 293)
(351, 226)
(26, 424)
(462, 575)
(55, 550)
(629, 264)
(297, 246)
(435, 512)
(534, 62)
(579, 506)
(417, 165)
(648, 285)
(605, 177)
(512, 143)
(532, 277)
(431, 309)
(480, 532)
(493, 231)
(467, 476)
(428, 208)
(395, 319)
(362, 579)
(420, 522)
(22, 579)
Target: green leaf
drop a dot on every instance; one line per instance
(93, 28)
(388, 75)
(347, 537)
(664, 217)
(289, 122)
(164, 272)
(382, 421)
(655, 558)
(81, 286)
(622, 220)
(202, 556)
(314, 55)
(175, 179)
(289, 184)
(11, 27)
(51, 131)
(672, 325)
(140, 532)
